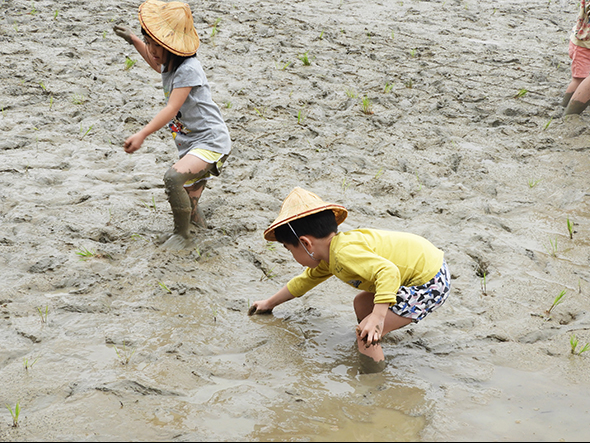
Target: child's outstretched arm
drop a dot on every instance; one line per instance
(266, 306)
(177, 98)
(126, 34)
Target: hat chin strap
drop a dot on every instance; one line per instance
(301, 243)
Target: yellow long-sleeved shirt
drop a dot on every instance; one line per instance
(376, 261)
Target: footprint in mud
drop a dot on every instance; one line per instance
(176, 242)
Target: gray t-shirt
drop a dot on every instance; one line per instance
(199, 123)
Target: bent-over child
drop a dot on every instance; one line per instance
(402, 276)
(169, 46)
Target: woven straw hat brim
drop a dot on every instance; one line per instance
(301, 203)
(170, 25)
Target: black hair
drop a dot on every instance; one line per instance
(174, 61)
(319, 225)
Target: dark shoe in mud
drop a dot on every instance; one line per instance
(370, 366)
(177, 242)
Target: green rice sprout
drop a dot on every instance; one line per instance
(285, 66)
(418, 180)
(50, 102)
(124, 354)
(412, 53)
(137, 237)
(33, 9)
(387, 87)
(379, 173)
(28, 364)
(129, 63)
(521, 93)
(484, 289)
(228, 104)
(533, 182)
(78, 99)
(271, 246)
(15, 414)
(261, 112)
(85, 253)
(43, 313)
(345, 185)
(351, 93)
(547, 124)
(367, 106)
(300, 117)
(164, 287)
(305, 58)
(558, 300)
(574, 345)
(87, 131)
(409, 84)
(214, 311)
(321, 35)
(42, 86)
(552, 250)
(55, 14)
(268, 274)
(570, 228)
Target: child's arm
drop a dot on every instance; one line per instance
(126, 34)
(175, 101)
(266, 306)
(371, 328)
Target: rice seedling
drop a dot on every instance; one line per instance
(50, 102)
(367, 106)
(552, 250)
(85, 254)
(409, 84)
(55, 14)
(164, 287)
(484, 289)
(521, 93)
(87, 131)
(321, 35)
(379, 173)
(388, 87)
(42, 86)
(412, 53)
(547, 124)
(124, 354)
(268, 274)
(574, 345)
(214, 311)
(418, 180)
(152, 206)
(198, 252)
(33, 9)
(392, 35)
(285, 66)
(261, 112)
(300, 117)
(351, 93)
(558, 300)
(137, 237)
(570, 228)
(228, 104)
(15, 414)
(305, 58)
(129, 63)
(43, 313)
(28, 364)
(104, 34)
(345, 185)
(533, 182)
(271, 246)
(78, 99)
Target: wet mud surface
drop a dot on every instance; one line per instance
(440, 118)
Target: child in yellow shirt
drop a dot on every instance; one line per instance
(403, 277)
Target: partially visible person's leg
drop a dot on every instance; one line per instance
(577, 94)
(187, 168)
(363, 306)
(194, 193)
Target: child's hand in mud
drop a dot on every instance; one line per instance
(133, 143)
(370, 329)
(123, 32)
(259, 307)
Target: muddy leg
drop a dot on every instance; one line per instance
(197, 216)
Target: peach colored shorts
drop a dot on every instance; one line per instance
(580, 60)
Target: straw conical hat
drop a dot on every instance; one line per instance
(300, 203)
(170, 25)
